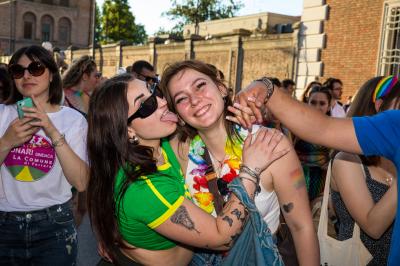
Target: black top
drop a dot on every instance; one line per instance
(380, 248)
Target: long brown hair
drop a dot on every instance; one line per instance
(110, 151)
(188, 132)
(83, 65)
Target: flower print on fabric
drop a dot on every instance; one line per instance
(197, 166)
(31, 161)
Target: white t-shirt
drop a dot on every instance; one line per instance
(31, 177)
(337, 110)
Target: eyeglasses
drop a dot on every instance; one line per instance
(148, 106)
(36, 69)
(148, 79)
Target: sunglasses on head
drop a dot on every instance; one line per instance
(36, 69)
(148, 106)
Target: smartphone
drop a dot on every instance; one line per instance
(26, 102)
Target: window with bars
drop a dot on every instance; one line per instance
(389, 57)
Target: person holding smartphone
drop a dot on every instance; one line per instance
(42, 155)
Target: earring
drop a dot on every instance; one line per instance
(181, 122)
(134, 140)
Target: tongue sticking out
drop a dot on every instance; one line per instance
(169, 117)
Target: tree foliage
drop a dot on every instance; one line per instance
(118, 23)
(97, 23)
(196, 11)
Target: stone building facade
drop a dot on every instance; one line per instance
(350, 40)
(243, 48)
(61, 22)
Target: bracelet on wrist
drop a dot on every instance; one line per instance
(251, 172)
(59, 142)
(257, 185)
(270, 87)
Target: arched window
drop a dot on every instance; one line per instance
(64, 31)
(29, 25)
(47, 28)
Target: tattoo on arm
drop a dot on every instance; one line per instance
(181, 217)
(228, 220)
(288, 207)
(297, 178)
(237, 213)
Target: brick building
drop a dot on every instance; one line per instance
(350, 40)
(62, 22)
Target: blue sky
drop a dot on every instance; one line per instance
(149, 14)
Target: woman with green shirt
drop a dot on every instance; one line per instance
(138, 202)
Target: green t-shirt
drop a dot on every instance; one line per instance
(150, 201)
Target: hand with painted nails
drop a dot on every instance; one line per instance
(242, 115)
(252, 97)
(261, 152)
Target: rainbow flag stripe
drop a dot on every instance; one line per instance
(384, 87)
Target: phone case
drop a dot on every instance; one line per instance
(26, 102)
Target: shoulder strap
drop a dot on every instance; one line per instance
(211, 177)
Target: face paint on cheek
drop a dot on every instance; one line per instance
(297, 178)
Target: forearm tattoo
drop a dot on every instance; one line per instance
(181, 217)
(228, 220)
(237, 213)
(297, 178)
(288, 207)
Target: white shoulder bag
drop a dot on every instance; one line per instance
(350, 252)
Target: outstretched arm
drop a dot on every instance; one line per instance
(304, 121)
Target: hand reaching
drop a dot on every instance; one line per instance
(252, 97)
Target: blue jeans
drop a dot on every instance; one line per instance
(45, 237)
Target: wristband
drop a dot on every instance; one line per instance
(253, 173)
(257, 186)
(270, 87)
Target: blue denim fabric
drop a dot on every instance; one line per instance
(255, 245)
(45, 237)
(206, 258)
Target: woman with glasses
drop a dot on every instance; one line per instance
(201, 100)
(138, 201)
(79, 81)
(42, 155)
(315, 158)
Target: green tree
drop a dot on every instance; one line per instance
(196, 11)
(97, 21)
(118, 23)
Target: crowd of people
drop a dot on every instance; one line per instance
(165, 166)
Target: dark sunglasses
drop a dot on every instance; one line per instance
(148, 79)
(36, 69)
(148, 106)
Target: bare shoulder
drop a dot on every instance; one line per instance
(347, 157)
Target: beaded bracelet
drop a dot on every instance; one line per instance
(270, 87)
(59, 142)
